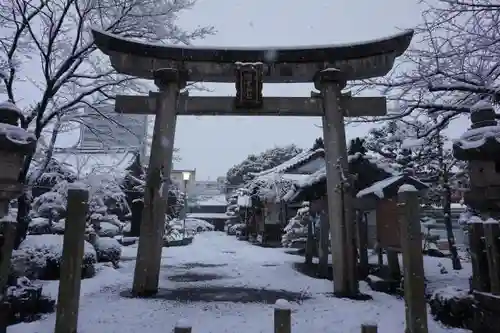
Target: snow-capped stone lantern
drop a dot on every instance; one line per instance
(480, 146)
(15, 144)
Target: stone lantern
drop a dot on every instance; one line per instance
(15, 144)
(480, 146)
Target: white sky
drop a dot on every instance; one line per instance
(211, 145)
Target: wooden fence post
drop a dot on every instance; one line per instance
(491, 234)
(368, 328)
(479, 261)
(282, 317)
(413, 262)
(9, 235)
(68, 297)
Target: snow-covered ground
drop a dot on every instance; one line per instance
(231, 263)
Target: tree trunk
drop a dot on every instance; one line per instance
(449, 229)
(445, 178)
(50, 150)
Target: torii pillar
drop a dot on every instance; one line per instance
(330, 82)
(250, 69)
(147, 268)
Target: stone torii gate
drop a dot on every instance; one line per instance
(329, 67)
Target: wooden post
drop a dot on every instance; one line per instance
(479, 261)
(413, 261)
(147, 269)
(71, 266)
(362, 226)
(309, 242)
(368, 328)
(393, 264)
(491, 234)
(9, 236)
(340, 209)
(324, 233)
(282, 317)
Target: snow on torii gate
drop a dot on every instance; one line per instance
(329, 67)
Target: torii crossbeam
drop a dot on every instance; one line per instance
(329, 67)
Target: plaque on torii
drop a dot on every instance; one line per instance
(329, 67)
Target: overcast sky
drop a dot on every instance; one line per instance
(213, 144)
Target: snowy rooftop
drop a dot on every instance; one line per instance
(381, 188)
(10, 106)
(209, 216)
(217, 200)
(320, 175)
(291, 163)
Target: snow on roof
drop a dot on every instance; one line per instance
(17, 134)
(216, 200)
(481, 105)
(320, 174)
(275, 186)
(378, 188)
(208, 215)
(477, 137)
(294, 161)
(9, 105)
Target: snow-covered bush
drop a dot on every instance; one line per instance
(43, 177)
(107, 225)
(106, 195)
(296, 230)
(52, 204)
(235, 228)
(26, 301)
(39, 226)
(193, 225)
(107, 249)
(453, 307)
(39, 257)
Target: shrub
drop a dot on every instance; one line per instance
(107, 249)
(39, 257)
(24, 302)
(453, 307)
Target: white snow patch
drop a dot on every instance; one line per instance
(474, 219)
(282, 304)
(377, 188)
(16, 134)
(410, 143)
(244, 201)
(183, 323)
(491, 221)
(407, 188)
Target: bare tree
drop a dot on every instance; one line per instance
(48, 44)
(453, 62)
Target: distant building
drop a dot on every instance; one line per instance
(177, 177)
(212, 209)
(107, 130)
(207, 188)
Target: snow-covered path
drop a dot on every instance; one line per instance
(222, 261)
